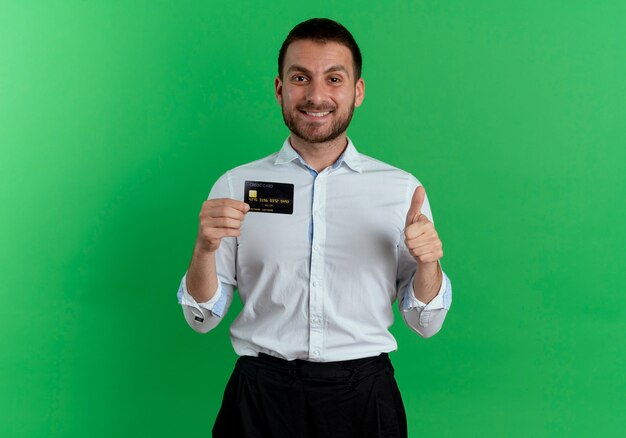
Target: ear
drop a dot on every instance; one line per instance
(278, 90)
(360, 92)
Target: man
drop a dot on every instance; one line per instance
(320, 241)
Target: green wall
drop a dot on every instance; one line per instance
(116, 117)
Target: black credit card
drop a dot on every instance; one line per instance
(269, 197)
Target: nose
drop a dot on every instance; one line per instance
(315, 92)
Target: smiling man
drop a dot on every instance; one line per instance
(319, 241)
(318, 112)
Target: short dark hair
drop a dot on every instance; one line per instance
(322, 30)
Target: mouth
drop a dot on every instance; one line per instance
(317, 115)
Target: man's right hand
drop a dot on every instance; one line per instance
(219, 218)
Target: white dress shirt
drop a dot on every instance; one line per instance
(319, 284)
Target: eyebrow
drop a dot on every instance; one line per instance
(334, 68)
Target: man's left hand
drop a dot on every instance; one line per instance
(420, 235)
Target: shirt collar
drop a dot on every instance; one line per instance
(350, 156)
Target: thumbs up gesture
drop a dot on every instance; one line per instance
(420, 235)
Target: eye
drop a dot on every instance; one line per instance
(335, 79)
(299, 78)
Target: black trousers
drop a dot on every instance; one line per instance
(271, 397)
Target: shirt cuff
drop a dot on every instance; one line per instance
(442, 300)
(215, 305)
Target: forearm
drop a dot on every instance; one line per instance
(427, 281)
(202, 275)
(203, 297)
(427, 317)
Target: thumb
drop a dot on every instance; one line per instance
(416, 205)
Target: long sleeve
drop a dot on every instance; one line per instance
(424, 319)
(203, 317)
(319, 284)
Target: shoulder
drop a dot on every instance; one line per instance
(253, 167)
(394, 182)
(224, 185)
(262, 163)
(374, 166)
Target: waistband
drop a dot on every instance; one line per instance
(324, 370)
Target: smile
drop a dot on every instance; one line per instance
(314, 114)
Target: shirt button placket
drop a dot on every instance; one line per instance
(317, 281)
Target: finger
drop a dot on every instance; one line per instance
(222, 222)
(222, 211)
(425, 255)
(219, 233)
(430, 257)
(227, 202)
(426, 244)
(227, 232)
(422, 227)
(416, 205)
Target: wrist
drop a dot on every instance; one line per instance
(427, 281)
(202, 251)
(429, 269)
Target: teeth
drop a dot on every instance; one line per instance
(318, 114)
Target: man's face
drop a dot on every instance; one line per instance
(318, 92)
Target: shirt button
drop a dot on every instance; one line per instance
(315, 284)
(316, 247)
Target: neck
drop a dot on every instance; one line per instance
(319, 155)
